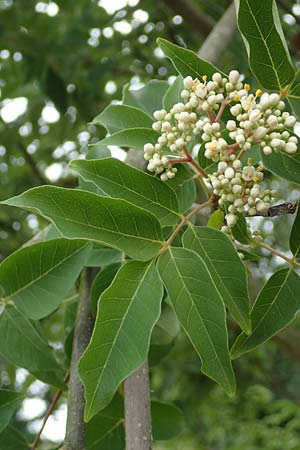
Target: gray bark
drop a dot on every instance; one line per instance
(137, 410)
(74, 439)
(218, 39)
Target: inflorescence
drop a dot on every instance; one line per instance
(251, 119)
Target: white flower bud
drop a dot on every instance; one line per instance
(267, 150)
(185, 94)
(274, 99)
(188, 82)
(156, 126)
(237, 164)
(217, 78)
(290, 121)
(234, 76)
(272, 121)
(260, 206)
(237, 189)
(276, 143)
(148, 148)
(159, 115)
(231, 220)
(259, 133)
(184, 117)
(231, 125)
(180, 142)
(235, 110)
(240, 139)
(164, 177)
(255, 115)
(166, 126)
(222, 166)
(229, 172)
(290, 147)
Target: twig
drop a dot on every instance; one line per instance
(290, 261)
(50, 410)
(184, 221)
(277, 210)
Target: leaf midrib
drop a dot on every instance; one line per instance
(204, 326)
(220, 280)
(109, 180)
(47, 272)
(117, 335)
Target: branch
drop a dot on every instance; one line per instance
(138, 411)
(199, 22)
(217, 41)
(74, 439)
(32, 166)
(50, 410)
(278, 210)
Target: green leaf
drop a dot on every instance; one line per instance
(240, 230)
(148, 98)
(227, 271)
(12, 439)
(295, 91)
(132, 137)
(127, 313)
(168, 421)
(186, 62)
(101, 282)
(23, 345)
(284, 165)
(295, 235)
(121, 117)
(274, 309)
(186, 194)
(119, 180)
(269, 59)
(84, 215)
(38, 277)
(10, 401)
(101, 256)
(216, 219)
(173, 94)
(105, 431)
(200, 311)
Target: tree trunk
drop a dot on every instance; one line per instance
(137, 410)
(74, 439)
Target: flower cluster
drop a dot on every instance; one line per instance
(258, 118)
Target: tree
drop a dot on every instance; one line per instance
(159, 268)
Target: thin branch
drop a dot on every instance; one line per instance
(32, 166)
(50, 410)
(278, 210)
(199, 22)
(217, 41)
(291, 261)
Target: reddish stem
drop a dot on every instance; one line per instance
(221, 110)
(48, 414)
(178, 160)
(194, 164)
(232, 148)
(211, 116)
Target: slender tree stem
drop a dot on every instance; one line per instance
(50, 410)
(74, 439)
(138, 414)
(183, 222)
(291, 261)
